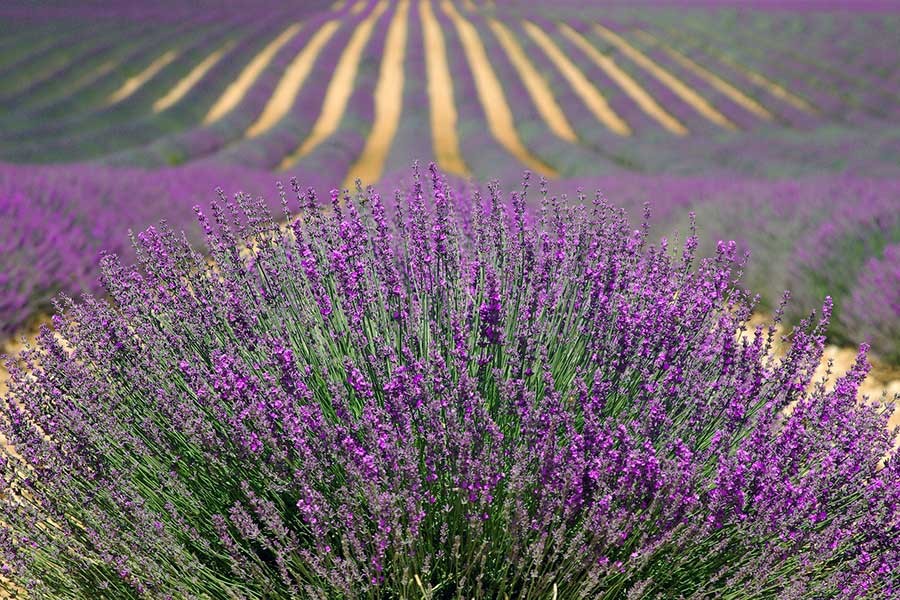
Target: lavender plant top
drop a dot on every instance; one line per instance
(444, 399)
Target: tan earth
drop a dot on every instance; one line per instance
(697, 102)
(883, 379)
(490, 93)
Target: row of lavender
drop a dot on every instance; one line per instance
(815, 237)
(850, 125)
(56, 221)
(435, 394)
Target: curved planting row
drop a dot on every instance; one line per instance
(116, 123)
(269, 141)
(640, 95)
(94, 93)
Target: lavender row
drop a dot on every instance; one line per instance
(56, 221)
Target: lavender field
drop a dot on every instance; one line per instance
(446, 299)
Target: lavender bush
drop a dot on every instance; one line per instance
(443, 399)
(873, 308)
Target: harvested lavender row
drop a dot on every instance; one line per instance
(437, 396)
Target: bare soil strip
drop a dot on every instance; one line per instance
(736, 95)
(237, 89)
(444, 139)
(775, 89)
(490, 93)
(882, 380)
(94, 75)
(388, 102)
(339, 89)
(695, 100)
(770, 86)
(631, 87)
(581, 85)
(134, 83)
(359, 7)
(282, 100)
(187, 83)
(537, 86)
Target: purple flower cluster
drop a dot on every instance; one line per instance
(55, 221)
(441, 396)
(872, 311)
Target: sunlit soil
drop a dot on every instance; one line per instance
(282, 99)
(238, 88)
(581, 85)
(631, 87)
(736, 95)
(490, 92)
(882, 380)
(340, 88)
(445, 141)
(187, 83)
(388, 102)
(135, 83)
(681, 89)
(534, 83)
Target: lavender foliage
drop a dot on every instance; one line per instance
(438, 396)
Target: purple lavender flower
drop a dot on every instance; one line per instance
(494, 404)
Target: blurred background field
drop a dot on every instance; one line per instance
(779, 125)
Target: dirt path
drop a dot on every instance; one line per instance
(539, 90)
(133, 84)
(187, 83)
(388, 102)
(736, 95)
(282, 99)
(631, 87)
(340, 88)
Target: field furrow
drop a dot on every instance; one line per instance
(28, 41)
(69, 101)
(538, 89)
(490, 92)
(697, 102)
(340, 88)
(789, 107)
(388, 99)
(135, 83)
(238, 89)
(32, 67)
(132, 119)
(568, 158)
(292, 81)
(826, 80)
(181, 89)
(81, 66)
(589, 94)
(714, 80)
(631, 87)
(442, 105)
